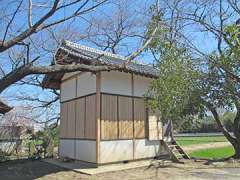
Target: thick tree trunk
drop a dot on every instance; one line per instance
(236, 147)
(236, 131)
(234, 140)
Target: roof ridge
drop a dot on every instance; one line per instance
(69, 43)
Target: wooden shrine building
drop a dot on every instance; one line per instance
(103, 115)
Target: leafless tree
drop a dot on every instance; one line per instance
(32, 30)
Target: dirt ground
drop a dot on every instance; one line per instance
(27, 169)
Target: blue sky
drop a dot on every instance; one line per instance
(204, 41)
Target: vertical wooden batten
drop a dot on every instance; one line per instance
(75, 104)
(118, 117)
(98, 115)
(132, 93)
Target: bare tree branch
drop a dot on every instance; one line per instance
(29, 69)
(140, 50)
(30, 13)
(30, 31)
(10, 22)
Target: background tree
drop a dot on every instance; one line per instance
(196, 81)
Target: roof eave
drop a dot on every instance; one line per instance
(54, 83)
(4, 108)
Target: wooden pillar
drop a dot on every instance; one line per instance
(132, 93)
(98, 115)
(75, 105)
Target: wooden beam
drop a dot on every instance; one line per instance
(98, 115)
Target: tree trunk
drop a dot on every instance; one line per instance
(236, 147)
(236, 131)
(234, 140)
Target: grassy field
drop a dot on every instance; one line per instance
(213, 153)
(210, 153)
(186, 141)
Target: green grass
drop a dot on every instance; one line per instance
(213, 153)
(186, 141)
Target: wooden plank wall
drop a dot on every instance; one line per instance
(71, 119)
(117, 114)
(109, 117)
(125, 115)
(139, 118)
(154, 126)
(78, 118)
(63, 120)
(90, 125)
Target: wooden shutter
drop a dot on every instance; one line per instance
(63, 120)
(90, 126)
(80, 117)
(125, 117)
(71, 119)
(139, 118)
(109, 123)
(154, 127)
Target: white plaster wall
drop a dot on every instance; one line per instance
(66, 148)
(141, 85)
(115, 151)
(86, 84)
(116, 82)
(146, 149)
(86, 150)
(68, 90)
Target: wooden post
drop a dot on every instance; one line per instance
(75, 105)
(132, 88)
(98, 115)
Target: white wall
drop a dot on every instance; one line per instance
(84, 150)
(66, 148)
(116, 150)
(120, 150)
(86, 84)
(68, 89)
(113, 82)
(146, 149)
(141, 85)
(116, 82)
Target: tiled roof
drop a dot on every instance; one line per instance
(106, 58)
(70, 52)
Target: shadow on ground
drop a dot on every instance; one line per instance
(27, 169)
